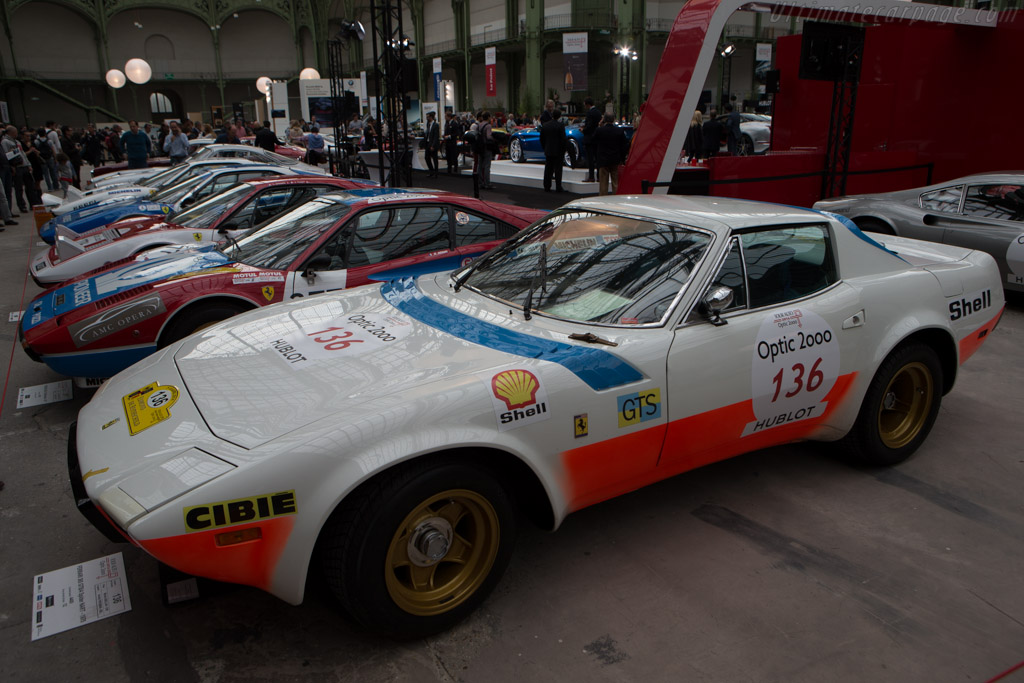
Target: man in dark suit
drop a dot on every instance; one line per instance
(610, 149)
(265, 137)
(711, 134)
(452, 136)
(590, 126)
(433, 142)
(552, 140)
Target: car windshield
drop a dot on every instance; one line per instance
(171, 194)
(204, 214)
(593, 267)
(283, 240)
(277, 159)
(162, 178)
(205, 153)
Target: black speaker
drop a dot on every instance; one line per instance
(349, 104)
(409, 80)
(826, 51)
(771, 81)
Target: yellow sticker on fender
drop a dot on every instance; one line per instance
(148, 406)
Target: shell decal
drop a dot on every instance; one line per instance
(517, 388)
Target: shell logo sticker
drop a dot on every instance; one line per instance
(197, 236)
(518, 398)
(268, 293)
(148, 406)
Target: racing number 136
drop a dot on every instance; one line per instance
(813, 380)
(337, 341)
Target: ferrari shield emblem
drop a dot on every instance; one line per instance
(197, 236)
(268, 292)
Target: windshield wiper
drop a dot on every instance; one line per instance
(542, 276)
(477, 263)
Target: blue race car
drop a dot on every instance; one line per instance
(162, 203)
(524, 145)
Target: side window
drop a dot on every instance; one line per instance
(946, 200)
(262, 207)
(472, 229)
(787, 263)
(1001, 202)
(218, 185)
(729, 275)
(398, 232)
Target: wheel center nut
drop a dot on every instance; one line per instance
(889, 401)
(430, 541)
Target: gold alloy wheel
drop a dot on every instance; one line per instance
(906, 404)
(442, 552)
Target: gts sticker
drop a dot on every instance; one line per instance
(227, 512)
(639, 407)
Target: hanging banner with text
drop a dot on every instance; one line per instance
(437, 79)
(491, 71)
(574, 49)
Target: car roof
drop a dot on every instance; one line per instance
(302, 179)
(1004, 177)
(720, 214)
(385, 195)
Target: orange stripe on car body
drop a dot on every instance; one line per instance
(604, 470)
(251, 563)
(970, 343)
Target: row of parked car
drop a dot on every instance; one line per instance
(485, 364)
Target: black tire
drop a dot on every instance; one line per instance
(572, 153)
(746, 146)
(874, 225)
(195, 319)
(899, 408)
(369, 559)
(515, 151)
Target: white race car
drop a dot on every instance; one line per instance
(389, 432)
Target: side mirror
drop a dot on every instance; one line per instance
(318, 262)
(188, 201)
(714, 302)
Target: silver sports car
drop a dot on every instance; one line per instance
(984, 212)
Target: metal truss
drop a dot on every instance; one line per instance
(389, 43)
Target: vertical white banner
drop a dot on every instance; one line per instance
(491, 70)
(437, 79)
(365, 98)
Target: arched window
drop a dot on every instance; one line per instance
(160, 104)
(158, 48)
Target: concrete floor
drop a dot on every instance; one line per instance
(782, 565)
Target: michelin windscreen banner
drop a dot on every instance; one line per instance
(574, 49)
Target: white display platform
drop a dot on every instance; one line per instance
(531, 174)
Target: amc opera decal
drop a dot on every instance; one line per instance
(116, 319)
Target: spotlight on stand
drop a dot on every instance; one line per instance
(309, 74)
(728, 50)
(352, 29)
(263, 84)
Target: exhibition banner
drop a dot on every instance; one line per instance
(437, 79)
(574, 51)
(364, 99)
(491, 71)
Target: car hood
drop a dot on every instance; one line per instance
(104, 197)
(269, 372)
(110, 283)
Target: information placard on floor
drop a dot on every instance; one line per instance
(78, 595)
(44, 393)
(15, 316)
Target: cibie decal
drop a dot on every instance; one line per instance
(1015, 261)
(638, 407)
(795, 365)
(224, 513)
(349, 335)
(518, 398)
(965, 306)
(268, 293)
(148, 406)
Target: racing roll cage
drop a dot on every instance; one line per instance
(689, 53)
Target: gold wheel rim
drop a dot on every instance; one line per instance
(420, 582)
(906, 403)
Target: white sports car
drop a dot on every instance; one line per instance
(385, 435)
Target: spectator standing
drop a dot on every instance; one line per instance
(549, 108)
(610, 149)
(553, 142)
(452, 136)
(711, 134)
(176, 144)
(53, 137)
(590, 126)
(295, 133)
(66, 172)
(265, 137)
(136, 145)
(153, 134)
(483, 167)
(69, 145)
(314, 146)
(732, 129)
(48, 159)
(6, 179)
(21, 170)
(693, 146)
(432, 141)
(370, 135)
(34, 180)
(114, 144)
(92, 145)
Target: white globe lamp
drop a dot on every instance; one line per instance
(263, 84)
(115, 78)
(138, 70)
(309, 74)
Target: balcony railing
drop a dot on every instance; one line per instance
(443, 46)
(660, 25)
(594, 20)
(492, 36)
